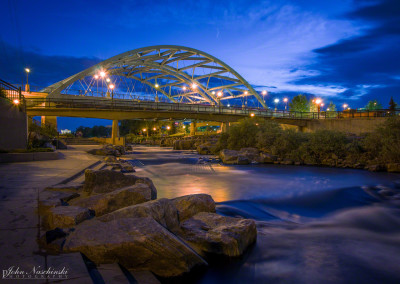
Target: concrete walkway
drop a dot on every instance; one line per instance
(20, 185)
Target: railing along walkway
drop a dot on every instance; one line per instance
(90, 103)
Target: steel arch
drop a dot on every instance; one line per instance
(162, 59)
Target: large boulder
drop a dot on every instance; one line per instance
(65, 217)
(229, 156)
(103, 181)
(190, 205)
(50, 198)
(105, 203)
(161, 210)
(205, 149)
(210, 233)
(135, 243)
(250, 153)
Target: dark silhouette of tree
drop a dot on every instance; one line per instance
(392, 105)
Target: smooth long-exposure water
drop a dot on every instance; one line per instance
(315, 225)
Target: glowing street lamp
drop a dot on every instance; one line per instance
(154, 129)
(111, 87)
(345, 106)
(184, 88)
(96, 76)
(194, 86)
(108, 80)
(252, 114)
(156, 85)
(276, 101)
(27, 88)
(246, 92)
(264, 92)
(102, 74)
(16, 101)
(168, 127)
(285, 100)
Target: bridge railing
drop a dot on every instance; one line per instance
(12, 94)
(81, 102)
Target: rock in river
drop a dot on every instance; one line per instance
(136, 243)
(190, 205)
(210, 233)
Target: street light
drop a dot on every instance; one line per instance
(252, 114)
(102, 74)
(219, 95)
(108, 80)
(194, 86)
(111, 86)
(27, 88)
(286, 101)
(156, 86)
(168, 127)
(318, 102)
(184, 88)
(264, 92)
(345, 106)
(276, 101)
(16, 101)
(96, 76)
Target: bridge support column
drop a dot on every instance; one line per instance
(114, 132)
(50, 121)
(193, 127)
(225, 127)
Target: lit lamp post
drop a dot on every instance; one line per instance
(219, 96)
(345, 106)
(96, 77)
(318, 102)
(276, 101)
(156, 86)
(27, 88)
(285, 100)
(111, 87)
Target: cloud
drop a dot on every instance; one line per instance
(45, 70)
(365, 63)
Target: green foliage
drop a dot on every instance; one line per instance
(287, 144)
(244, 134)
(373, 105)
(383, 144)
(95, 131)
(267, 134)
(299, 104)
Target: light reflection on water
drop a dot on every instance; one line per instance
(315, 225)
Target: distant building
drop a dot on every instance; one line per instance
(65, 131)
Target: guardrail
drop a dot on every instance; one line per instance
(131, 105)
(12, 94)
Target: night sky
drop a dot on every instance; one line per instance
(345, 51)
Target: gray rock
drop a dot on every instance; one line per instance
(104, 181)
(65, 217)
(127, 168)
(110, 159)
(135, 243)
(243, 160)
(250, 153)
(161, 210)
(229, 157)
(105, 203)
(210, 233)
(190, 205)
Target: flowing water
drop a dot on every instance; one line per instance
(315, 225)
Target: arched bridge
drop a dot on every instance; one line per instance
(168, 73)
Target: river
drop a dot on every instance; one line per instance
(315, 225)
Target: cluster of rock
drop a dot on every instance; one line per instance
(252, 155)
(119, 164)
(203, 144)
(118, 218)
(109, 150)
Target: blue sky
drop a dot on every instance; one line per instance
(340, 50)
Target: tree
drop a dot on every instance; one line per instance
(331, 107)
(373, 105)
(313, 105)
(392, 105)
(299, 104)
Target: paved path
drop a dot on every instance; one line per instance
(20, 184)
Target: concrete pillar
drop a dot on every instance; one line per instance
(114, 132)
(193, 128)
(49, 121)
(225, 127)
